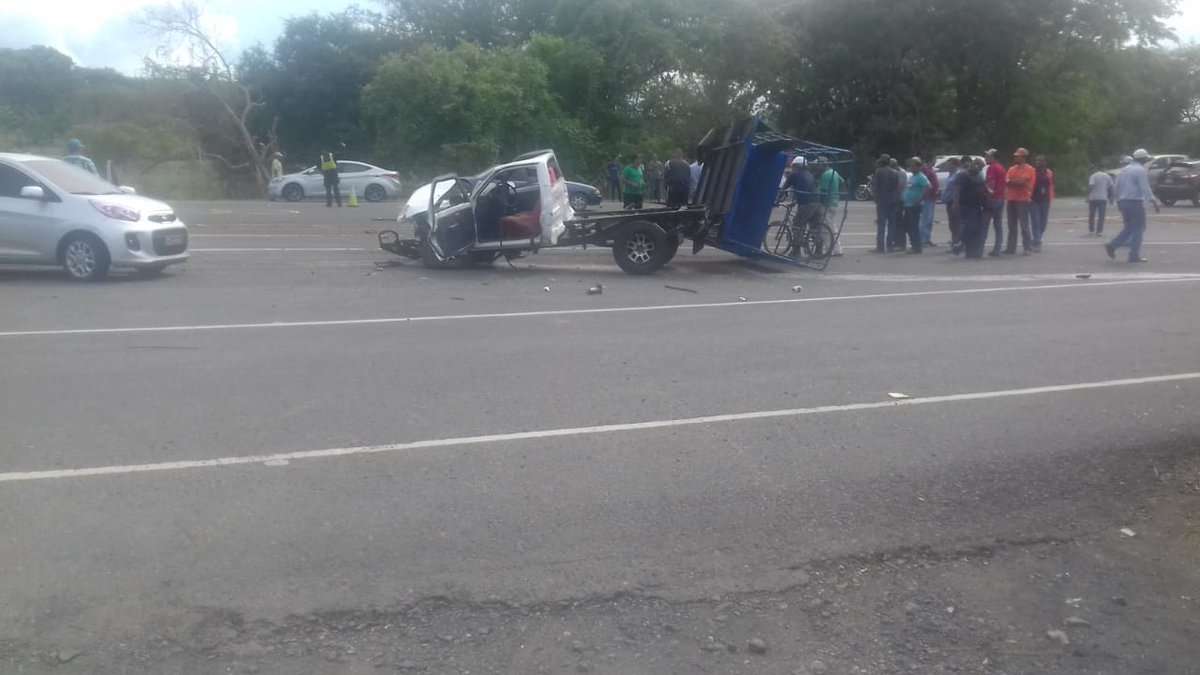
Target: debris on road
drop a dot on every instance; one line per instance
(741, 298)
(897, 395)
(1128, 532)
(1058, 636)
(455, 297)
(797, 288)
(1076, 621)
(680, 288)
(1074, 602)
(1083, 276)
(596, 290)
(66, 655)
(756, 646)
(546, 288)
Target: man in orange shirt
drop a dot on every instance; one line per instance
(1018, 193)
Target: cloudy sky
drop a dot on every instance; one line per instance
(102, 33)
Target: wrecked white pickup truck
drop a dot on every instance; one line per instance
(523, 206)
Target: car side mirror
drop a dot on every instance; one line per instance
(33, 192)
(127, 190)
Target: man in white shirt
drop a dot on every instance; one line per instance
(1102, 192)
(1133, 191)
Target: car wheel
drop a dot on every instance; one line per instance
(151, 272)
(673, 242)
(293, 192)
(1168, 202)
(85, 257)
(641, 248)
(579, 202)
(375, 193)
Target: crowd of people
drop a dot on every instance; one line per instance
(982, 192)
(636, 181)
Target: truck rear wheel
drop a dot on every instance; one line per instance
(641, 247)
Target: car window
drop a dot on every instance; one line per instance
(351, 167)
(71, 178)
(11, 181)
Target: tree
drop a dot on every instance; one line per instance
(208, 70)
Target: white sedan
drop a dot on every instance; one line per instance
(370, 182)
(54, 213)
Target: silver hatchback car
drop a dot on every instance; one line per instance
(54, 213)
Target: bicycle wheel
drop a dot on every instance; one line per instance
(818, 242)
(779, 239)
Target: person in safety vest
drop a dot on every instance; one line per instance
(330, 172)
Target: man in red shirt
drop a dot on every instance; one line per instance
(1018, 193)
(996, 177)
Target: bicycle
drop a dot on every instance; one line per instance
(809, 241)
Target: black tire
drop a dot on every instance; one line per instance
(641, 248)
(579, 202)
(673, 243)
(375, 193)
(862, 194)
(151, 272)
(1168, 202)
(779, 239)
(84, 257)
(818, 243)
(292, 192)
(430, 260)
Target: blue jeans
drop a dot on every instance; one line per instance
(1096, 209)
(1039, 213)
(927, 209)
(887, 224)
(1133, 214)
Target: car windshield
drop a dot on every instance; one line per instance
(71, 178)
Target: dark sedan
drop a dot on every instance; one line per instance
(583, 195)
(1178, 183)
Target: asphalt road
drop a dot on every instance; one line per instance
(299, 454)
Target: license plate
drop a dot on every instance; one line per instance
(174, 239)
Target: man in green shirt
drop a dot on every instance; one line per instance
(634, 182)
(829, 190)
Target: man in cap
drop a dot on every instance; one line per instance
(75, 156)
(914, 193)
(996, 178)
(1133, 191)
(1018, 193)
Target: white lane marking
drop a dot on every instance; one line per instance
(284, 458)
(281, 249)
(568, 312)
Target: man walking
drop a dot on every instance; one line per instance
(1018, 192)
(1039, 204)
(1133, 191)
(678, 177)
(277, 165)
(1101, 193)
(329, 171)
(614, 179)
(929, 204)
(995, 178)
(885, 185)
(914, 192)
(634, 182)
(75, 156)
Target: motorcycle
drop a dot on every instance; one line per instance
(863, 193)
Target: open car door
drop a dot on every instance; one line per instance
(451, 218)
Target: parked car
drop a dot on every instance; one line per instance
(373, 183)
(54, 213)
(1156, 166)
(1180, 181)
(583, 195)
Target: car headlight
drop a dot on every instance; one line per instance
(116, 212)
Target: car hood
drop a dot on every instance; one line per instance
(135, 202)
(418, 202)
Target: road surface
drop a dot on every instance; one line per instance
(300, 454)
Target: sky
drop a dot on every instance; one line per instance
(102, 33)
